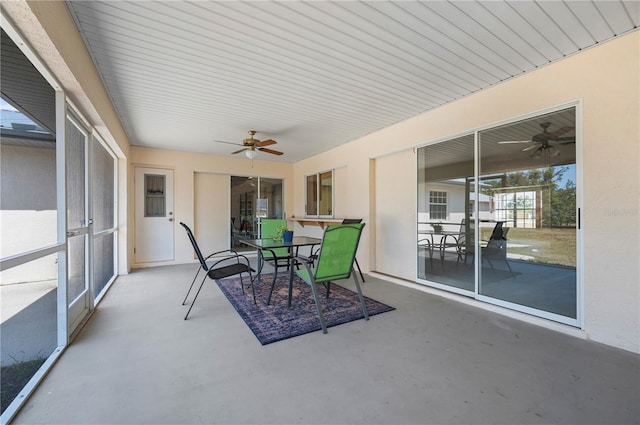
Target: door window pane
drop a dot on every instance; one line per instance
(154, 195)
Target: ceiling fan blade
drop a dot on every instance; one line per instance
(267, 142)
(532, 147)
(227, 143)
(559, 132)
(507, 142)
(238, 151)
(271, 151)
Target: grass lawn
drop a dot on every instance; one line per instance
(547, 245)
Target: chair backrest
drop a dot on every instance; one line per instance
(497, 232)
(338, 251)
(195, 246)
(498, 247)
(269, 229)
(352, 221)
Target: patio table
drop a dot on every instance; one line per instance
(269, 244)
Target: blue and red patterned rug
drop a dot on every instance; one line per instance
(275, 322)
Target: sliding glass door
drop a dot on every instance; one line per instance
(252, 199)
(497, 215)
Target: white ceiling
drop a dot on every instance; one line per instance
(314, 75)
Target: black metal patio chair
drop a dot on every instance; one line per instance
(225, 263)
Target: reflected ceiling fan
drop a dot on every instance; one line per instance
(251, 145)
(540, 143)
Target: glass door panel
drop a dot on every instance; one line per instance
(244, 191)
(527, 253)
(252, 199)
(445, 210)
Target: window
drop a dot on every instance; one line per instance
(437, 205)
(319, 194)
(154, 195)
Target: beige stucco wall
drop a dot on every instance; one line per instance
(605, 80)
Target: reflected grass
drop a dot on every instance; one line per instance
(546, 245)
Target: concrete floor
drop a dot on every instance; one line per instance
(431, 361)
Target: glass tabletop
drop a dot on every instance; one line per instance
(272, 243)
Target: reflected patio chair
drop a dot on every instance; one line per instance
(225, 263)
(465, 241)
(496, 248)
(335, 261)
(425, 244)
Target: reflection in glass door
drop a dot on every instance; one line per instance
(500, 225)
(528, 241)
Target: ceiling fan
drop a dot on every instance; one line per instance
(539, 143)
(250, 145)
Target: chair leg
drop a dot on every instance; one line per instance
(509, 267)
(194, 298)
(315, 297)
(359, 271)
(364, 306)
(190, 287)
(253, 291)
(273, 283)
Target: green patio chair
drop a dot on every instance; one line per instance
(279, 257)
(335, 261)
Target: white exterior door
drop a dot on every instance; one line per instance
(154, 215)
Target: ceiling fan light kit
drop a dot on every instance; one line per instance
(250, 153)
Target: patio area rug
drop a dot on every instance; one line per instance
(275, 322)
